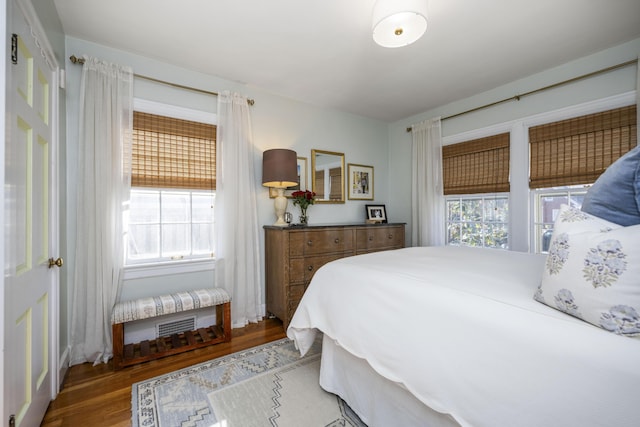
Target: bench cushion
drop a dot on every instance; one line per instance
(145, 308)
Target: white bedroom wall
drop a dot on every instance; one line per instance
(510, 116)
(277, 123)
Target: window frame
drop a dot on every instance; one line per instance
(465, 166)
(152, 269)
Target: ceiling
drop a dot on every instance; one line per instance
(322, 52)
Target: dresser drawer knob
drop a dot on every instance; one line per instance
(310, 268)
(391, 236)
(310, 243)
(336, 241)
(370, 238)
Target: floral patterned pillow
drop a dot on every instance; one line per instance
(592, 272)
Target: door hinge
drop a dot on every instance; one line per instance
(14, 48)
(12, 420)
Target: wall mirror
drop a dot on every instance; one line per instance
(327, 179)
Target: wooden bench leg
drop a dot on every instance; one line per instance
(223, 319)
(118, 344)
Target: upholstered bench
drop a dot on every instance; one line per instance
(146, 308)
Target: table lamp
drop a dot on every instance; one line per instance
(279, 171)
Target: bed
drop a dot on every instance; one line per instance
(452, 336)
(460, 336)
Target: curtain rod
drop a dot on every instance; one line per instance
(517, 97)
(74, 59)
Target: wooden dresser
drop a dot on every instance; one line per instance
(294, 254)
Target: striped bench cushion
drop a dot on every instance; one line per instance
(145, 308)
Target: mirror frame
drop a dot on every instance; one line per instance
(314, 153)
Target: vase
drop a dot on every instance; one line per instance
(304, 219)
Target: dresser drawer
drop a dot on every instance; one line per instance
(379, 238)
(320, 241)
(303, 269)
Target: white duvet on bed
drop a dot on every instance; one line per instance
(459, 328)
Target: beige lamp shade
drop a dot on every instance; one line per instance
(279, 168)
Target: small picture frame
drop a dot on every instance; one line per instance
(376, 213)
(302, 179)
(360, 182)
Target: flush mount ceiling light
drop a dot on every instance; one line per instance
(399, 23)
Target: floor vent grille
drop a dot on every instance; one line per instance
(176, 326)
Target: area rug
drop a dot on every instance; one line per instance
(269, 385)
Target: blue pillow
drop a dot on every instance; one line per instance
(615, 196)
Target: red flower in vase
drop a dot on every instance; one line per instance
(303, 198)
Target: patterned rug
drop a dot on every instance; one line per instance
(269, 385)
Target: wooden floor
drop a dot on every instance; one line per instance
(99, 396)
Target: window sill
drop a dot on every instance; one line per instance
(167, 268)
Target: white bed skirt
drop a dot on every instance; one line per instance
(386, 403)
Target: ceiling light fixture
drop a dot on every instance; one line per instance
(399, 23)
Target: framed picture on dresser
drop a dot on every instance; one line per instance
(376, 213)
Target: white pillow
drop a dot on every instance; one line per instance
(593, 271)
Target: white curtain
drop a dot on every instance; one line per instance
(427, 208)
(104, 180)
(236, 217)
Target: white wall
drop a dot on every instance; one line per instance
(514, 116)
(277, 123)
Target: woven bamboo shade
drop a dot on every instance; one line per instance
(476, 166)
(173, 153)
(335, 175)
(578, 150)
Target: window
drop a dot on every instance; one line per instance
(578, 150)
(475, 179)
(167, 225)
(567, 155)
(478, 221)
(547, 202)
(173, 190)
(477, 166)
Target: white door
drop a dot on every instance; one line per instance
(31, 299)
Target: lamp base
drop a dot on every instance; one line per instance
(280, 205)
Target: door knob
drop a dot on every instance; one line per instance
(55, 262)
